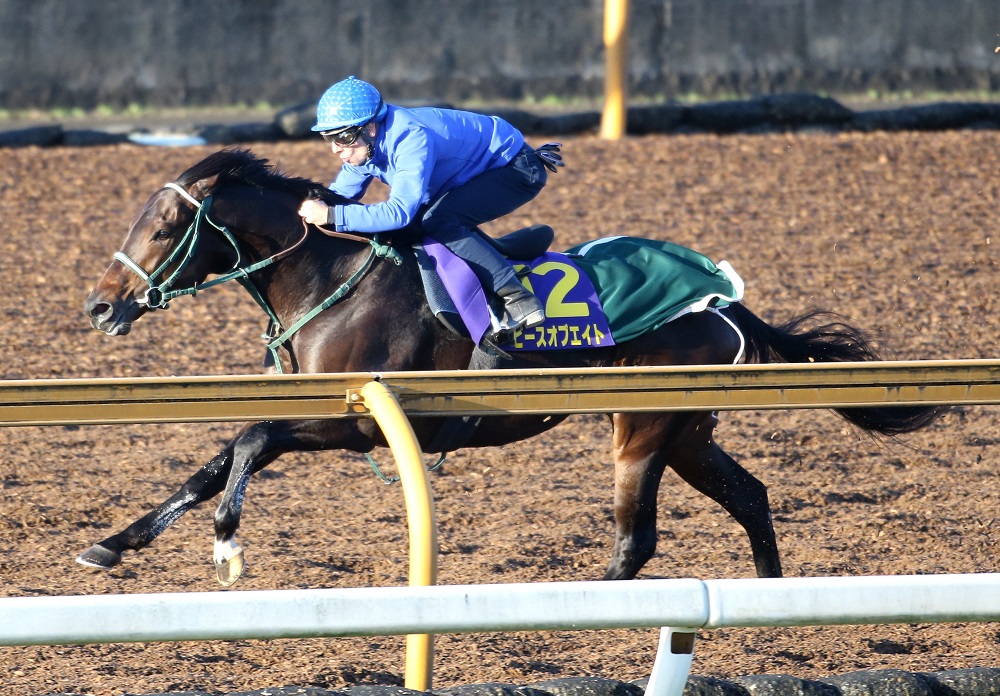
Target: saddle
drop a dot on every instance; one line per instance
(524, 244)
(520, 245)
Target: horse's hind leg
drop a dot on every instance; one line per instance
(641, 442)
(704, 465)
(205, 484)
(644, 445)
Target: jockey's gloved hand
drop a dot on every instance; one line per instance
(314, 211)
(549, 154)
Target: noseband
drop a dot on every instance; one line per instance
(159, 294)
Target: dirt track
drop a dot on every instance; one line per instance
(895, 231)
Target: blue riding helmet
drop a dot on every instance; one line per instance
(350, 102)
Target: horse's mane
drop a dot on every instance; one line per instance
(236, 165)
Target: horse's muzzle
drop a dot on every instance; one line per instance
(114, 319)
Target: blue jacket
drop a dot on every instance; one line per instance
(421, 153)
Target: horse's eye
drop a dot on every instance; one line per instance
(160, 235)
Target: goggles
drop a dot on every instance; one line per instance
(344, 137)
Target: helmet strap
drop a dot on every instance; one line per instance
(369, 140)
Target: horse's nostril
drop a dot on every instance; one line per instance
(98, 309)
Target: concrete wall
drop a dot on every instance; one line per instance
(85, 53)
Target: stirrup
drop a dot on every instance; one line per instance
(489, 344)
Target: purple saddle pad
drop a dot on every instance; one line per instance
(574, 316)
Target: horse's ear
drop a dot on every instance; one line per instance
(204, 187)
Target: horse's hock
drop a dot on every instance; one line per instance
(890, 229)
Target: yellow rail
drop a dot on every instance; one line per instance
(496, 392)
(419, 516)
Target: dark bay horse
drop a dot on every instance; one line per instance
(382, 322)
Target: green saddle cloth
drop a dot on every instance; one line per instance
(643, 284)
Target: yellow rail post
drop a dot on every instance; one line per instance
(615, 68)
(419, 514)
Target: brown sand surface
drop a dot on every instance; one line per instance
(896, 231)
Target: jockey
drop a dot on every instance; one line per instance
(451, 169)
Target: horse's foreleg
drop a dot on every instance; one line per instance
(251, 452)
(256, 447)
(713, 472)
(205, 484)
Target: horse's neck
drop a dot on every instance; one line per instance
(328, 271)
(385, 307)
(382, 322)
(308, 276)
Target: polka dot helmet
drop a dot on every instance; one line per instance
(350, 102)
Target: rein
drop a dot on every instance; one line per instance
(157, 296)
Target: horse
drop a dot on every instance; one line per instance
(379, 320)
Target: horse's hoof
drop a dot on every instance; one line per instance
(229, 562)
(98, 556)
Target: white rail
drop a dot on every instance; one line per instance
(686, 604)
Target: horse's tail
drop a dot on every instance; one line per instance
(830, 339)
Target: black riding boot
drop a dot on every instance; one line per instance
(522, 307)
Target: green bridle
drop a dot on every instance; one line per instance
(158, 294)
